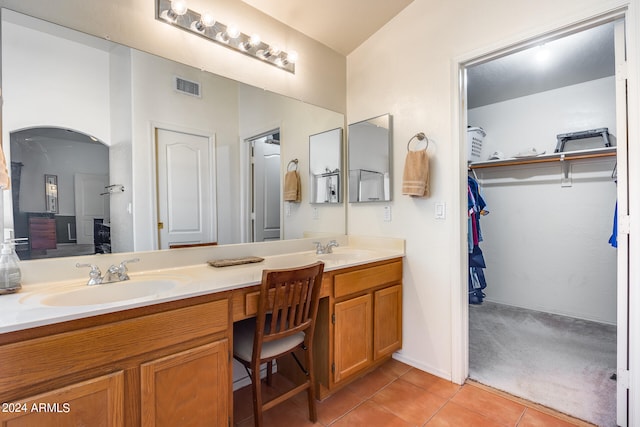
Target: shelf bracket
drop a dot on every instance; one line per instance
(565, 180)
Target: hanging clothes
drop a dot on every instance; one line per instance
(613, 240)
(476, 208)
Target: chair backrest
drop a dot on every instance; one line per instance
(288, 303)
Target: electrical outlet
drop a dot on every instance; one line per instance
(314, 213)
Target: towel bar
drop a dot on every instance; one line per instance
(420, 136)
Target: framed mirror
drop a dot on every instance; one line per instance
(325, 167)
(370, 160)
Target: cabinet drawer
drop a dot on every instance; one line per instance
(39, 359)
(361, 280)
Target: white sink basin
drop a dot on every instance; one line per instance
(106, 293)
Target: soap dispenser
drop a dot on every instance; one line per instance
(10, 275)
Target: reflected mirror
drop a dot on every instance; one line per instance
(57, 78)
(370, 160)
(325, 167)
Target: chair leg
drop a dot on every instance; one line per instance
(269, 372)
(257, 395)
(311, 391)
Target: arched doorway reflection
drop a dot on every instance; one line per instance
(60, 206)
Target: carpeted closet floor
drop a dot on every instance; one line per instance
(557, 361)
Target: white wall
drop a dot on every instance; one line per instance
(534, 121)
(120, 151)
(417, 84)
(63, 159)
(70, 93)
(546, 246)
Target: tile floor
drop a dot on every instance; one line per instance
(396, 394)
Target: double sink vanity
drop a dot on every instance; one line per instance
(156, 349)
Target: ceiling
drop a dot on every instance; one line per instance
(570, 60)
(342, 25)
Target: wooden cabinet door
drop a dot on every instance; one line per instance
(387, 318)
(353, 336)
(190, 388)
(97, 402)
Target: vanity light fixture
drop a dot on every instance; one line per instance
(177, 13)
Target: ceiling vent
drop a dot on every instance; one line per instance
(187, 87)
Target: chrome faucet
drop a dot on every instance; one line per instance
(114, 273)
(325, 249)
(329, 248)
(95, 275)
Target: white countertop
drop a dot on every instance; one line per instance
(32, 306)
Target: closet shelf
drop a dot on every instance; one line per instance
(547, 158)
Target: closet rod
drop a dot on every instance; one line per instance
(558, 157)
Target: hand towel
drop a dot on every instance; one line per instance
(292, 186)
(5, 182)
(415, 178)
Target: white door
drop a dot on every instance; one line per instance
(186, 199)
(266, 189)
(90, 204)
(622, 382)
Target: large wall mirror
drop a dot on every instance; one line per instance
(370, 160)
(325, 167)
(79, 93)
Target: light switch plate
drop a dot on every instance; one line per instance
(441, 210)
(387, 214)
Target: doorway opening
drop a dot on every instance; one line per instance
(264, 187)
(542, 266)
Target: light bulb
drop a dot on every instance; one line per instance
(206, 20)
(292, 57)
(274, 50)
(179, 7)
(255, 40)
(233, 31)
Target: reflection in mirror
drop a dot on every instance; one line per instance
(370, 160)
(56, 77)
(69, 215)
(325, 167)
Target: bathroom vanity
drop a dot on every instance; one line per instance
(165, 358)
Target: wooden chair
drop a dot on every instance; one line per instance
(287, 309)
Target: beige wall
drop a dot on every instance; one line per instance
(320, 71)
(408, 69)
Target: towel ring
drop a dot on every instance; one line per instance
(420, 136)
(295, 165)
